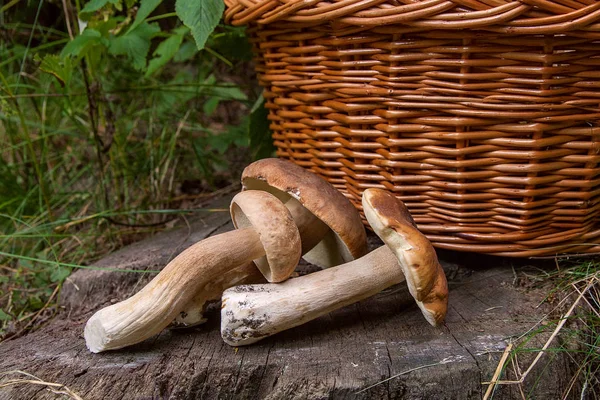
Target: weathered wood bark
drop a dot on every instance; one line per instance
(338, 356)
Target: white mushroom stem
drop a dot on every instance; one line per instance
(151, 309)
(252, 312)
(193, 314)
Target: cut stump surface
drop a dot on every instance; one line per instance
(345, 354)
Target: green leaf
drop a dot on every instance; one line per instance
(146, 8)
(165, 51)
(82, 43)
(202, 17)
(258, 131)
(227, 93)
(62, 69)
(60, 273)
(186, 52)
(95, 5)
(219, 142)
(135, 44)
(4, 316)
(211, 105)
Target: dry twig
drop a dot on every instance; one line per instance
(51, 386)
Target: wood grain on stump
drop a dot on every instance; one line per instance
(341, 355)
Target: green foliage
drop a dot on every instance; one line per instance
(135, 44)
(202, 17)
(62, 69)
(232, 43)
(146, 8)
(4, 316)
(166, 50)
(99, 130)
(82, 44)
(95, 5)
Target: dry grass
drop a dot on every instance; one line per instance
(53, 387)
(577, 288)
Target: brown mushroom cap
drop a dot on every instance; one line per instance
(276, 228)
(346, 239)
(425, 277)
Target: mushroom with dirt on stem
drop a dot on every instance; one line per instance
(252, 312)
(330, 227)
(201, 272)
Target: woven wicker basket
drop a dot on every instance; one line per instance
(481, 115)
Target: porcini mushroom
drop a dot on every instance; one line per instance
(330, 227)
(343, 237)
(268, 235)
(198, 274)
(252, 312)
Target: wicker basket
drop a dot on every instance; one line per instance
(481, 115)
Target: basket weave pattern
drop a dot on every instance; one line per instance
(482, 116)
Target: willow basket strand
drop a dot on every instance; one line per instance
(482, 116)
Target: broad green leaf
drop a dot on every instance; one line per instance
(82, 43)
(201, 16)
(258, 131)
(95, 5)
(227, 93)
(60, 273)
(146, 8)
(211, 105)
(135, 44)
(165, 51)
(62, 69)
(4, 316)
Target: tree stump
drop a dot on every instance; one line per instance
(379, 348)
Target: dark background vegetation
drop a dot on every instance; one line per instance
(116, 119)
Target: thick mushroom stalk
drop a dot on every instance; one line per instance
(193, 314)
(252, 312)
(268, 236)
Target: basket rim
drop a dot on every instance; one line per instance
(533, 17)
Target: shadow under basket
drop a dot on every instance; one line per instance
(482, 116)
